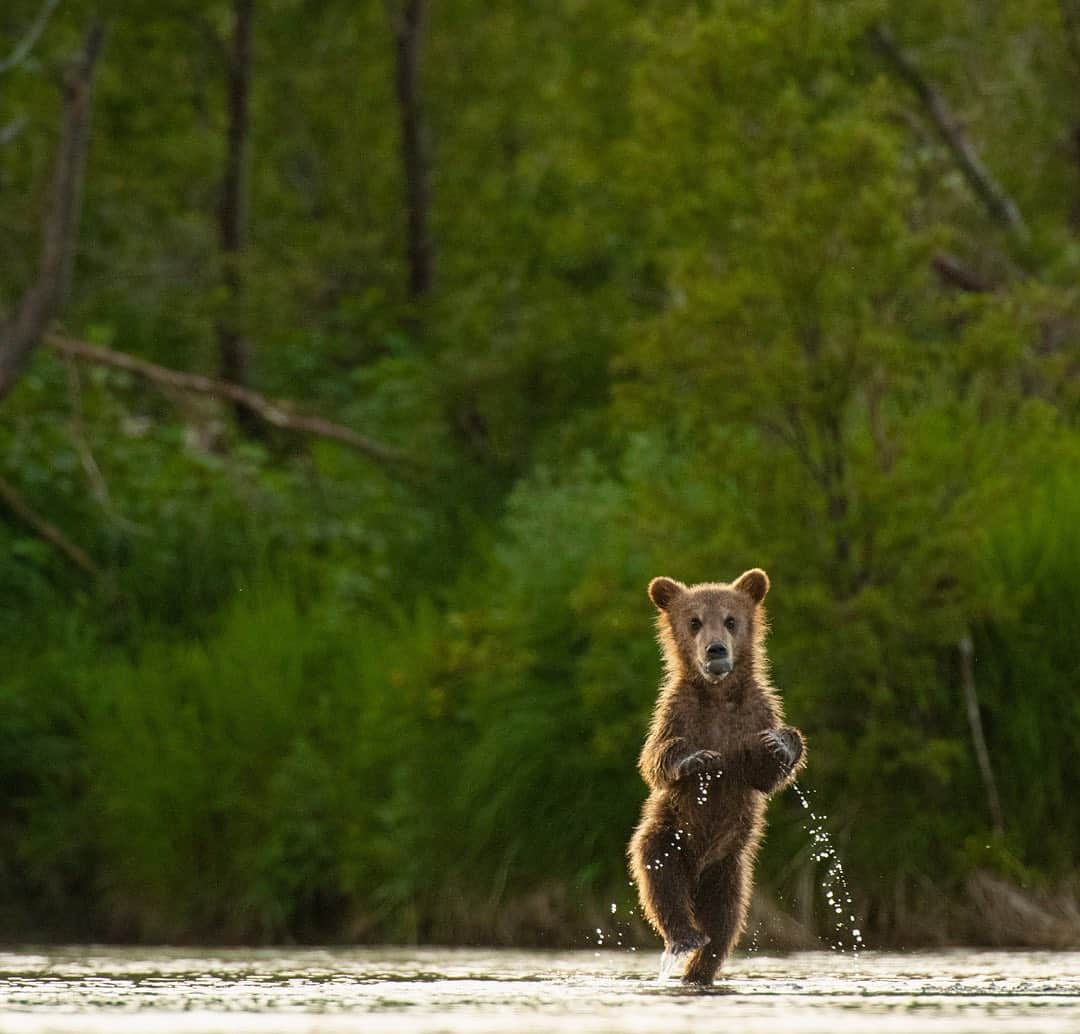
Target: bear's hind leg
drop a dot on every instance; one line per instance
(664, 882)
(721, 901)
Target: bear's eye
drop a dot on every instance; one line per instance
(695, 625)
(729, 624)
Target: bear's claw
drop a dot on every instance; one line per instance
(786, 744)
(687, 943)
(698, 762)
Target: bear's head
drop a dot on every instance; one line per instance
(709, 631)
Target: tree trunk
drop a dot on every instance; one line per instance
(408, 24)
(234, 359)
(21, 333)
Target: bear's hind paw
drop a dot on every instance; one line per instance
(678, 951)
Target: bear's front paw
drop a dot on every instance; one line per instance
(786, 745)
(697, 763)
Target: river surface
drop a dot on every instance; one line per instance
(312, 991)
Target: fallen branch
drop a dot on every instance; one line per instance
(43, 529)
(997, 201)
(275, 412)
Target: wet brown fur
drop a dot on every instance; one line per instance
(693, 861)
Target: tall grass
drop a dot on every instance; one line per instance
(1028, 676)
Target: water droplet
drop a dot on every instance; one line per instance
(833, 884)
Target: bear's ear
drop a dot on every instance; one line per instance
(755, 583)
(663, 590)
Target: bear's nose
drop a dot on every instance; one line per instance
(716, 651)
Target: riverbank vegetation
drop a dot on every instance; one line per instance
(497, 311)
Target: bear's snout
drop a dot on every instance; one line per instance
(719, 666)
(717, 659)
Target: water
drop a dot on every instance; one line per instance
(374, 991)
(834, 885)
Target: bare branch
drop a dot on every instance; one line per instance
(26, 44)
(18, 506)
(794, 436)
(954, 273)
(275, 412)
(998, 203)
(99, 487)
(971, 700)
(20, 335)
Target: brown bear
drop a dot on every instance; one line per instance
(715, 749)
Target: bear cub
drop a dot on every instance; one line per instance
(717, 746)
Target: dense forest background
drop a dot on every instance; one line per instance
(498, 309)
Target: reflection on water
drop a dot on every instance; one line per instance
(376, 990)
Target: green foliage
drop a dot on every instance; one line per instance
(209, 785)
(686, 320)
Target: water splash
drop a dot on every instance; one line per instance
(668, 963)
(704, 778)
(834, 883)
(623, 928)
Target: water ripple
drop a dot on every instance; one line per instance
(319, 991)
